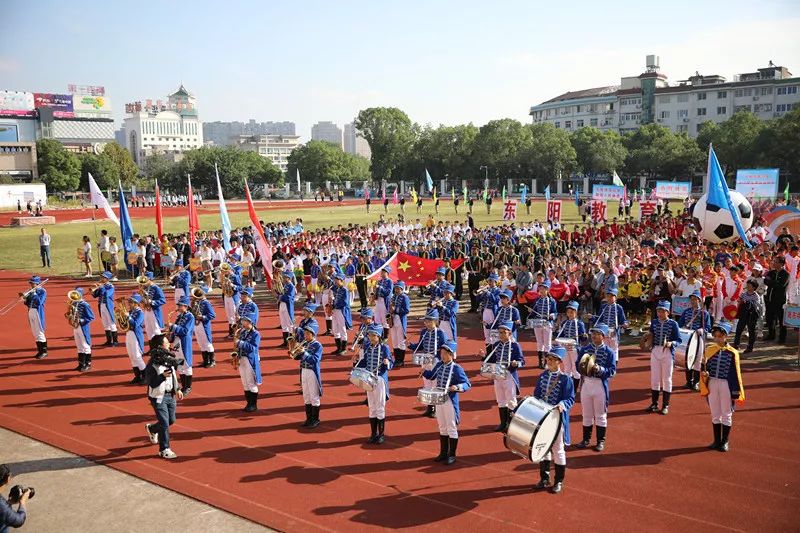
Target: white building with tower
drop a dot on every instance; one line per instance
(163, 127)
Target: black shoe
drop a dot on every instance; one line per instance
(748, 349)
(653, 402)
(717, 437)
(249, 400)
(503, 411)
(429, 412)
(308, 416)
(187, 385)
(443, 448)
(42, 351)
(114, 338)
(723, 445)
(81, 359)
(285, 343)
(366, 401)
(601, 439)
(541, 359)
(381, 438)
(314, 416)
(652, 408)
(252, 404)
(205, 359)
(87, 362)
(587, 437)
(137, 377)
(373, 430)
(544, 476)
(665, 402)
(559, 483)
(400, 358)
(108, 338)
(451, 455)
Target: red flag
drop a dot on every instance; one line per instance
(159, 216)
(383, 193)
(194, 224)
(394, 199)
(366, 193)
(625, 196)
(263, 247)
(414, 271)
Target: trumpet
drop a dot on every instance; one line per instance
(297, 350)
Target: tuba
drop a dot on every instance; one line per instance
(122, 314)
(197, 294)
(72, 314)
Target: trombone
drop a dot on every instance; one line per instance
(22, 297)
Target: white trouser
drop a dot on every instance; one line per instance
(376, 400)
(178, 293)
(312, 288)
(701, 349)
(488, 318)
(109, 324)
(397, 335)
(151, 327)
(380, 312)
(287, 322)
(544, 338)
(719, 400)
(308, 380)
(36, 325)
(81, 343)
(134, 353)
(558, 449)
(612, 342)
(177, 350)
(570, 363)
(593, 402)
(248, 375)
(444, 325)
(338, 326)
(230, 309)
(505, 391)
(717, 304)
(661, 364)
(446, 418)
(203, 342)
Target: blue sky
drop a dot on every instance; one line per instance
(441, 62)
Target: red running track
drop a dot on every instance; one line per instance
(655, 475)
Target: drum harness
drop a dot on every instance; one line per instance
(564, 324)
(422, 341)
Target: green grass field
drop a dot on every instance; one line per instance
(20, 246)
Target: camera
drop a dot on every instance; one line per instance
(17, 491)
(168, 361)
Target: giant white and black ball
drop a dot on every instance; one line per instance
(715, 224)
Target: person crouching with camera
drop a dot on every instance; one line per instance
(17, 495)
(162, 391)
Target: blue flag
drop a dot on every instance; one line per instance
(577, 198)
(223, 212)
(125, 226)
(429, 180)
(524, 194)
(547, 193)
(720, 196)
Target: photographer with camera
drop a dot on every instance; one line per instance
(17, 495)
(162, 389)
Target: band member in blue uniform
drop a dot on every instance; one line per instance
(83, 316)
(382, 293)
(449, 376)
(489, 301)
(613, 316)
(342, 319)
(506, 352)
(595, 393)
(180, 336)
(399, 307)
(431, 339)
(378, 361)
(666, 335)
(248, 363)
(105, 308)
(697, 319)
(367, 319)
(448, 311)
(350, 277)
(231, 287)
(204, 315)
(35, 299)
(507, 313)
(723, 375)
(248, 306)
(434, 288)
(308, 318)
(134, 338)
(555, 388)
(311, 373)
(545, 311)
(286, 307)
(152, 300)
(181, 279)
(573, 329)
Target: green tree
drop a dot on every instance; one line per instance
(500, 145)
(598, 151)
(780, 143)
(59, 169)
(159, 168)
(320, 161)
(654, 150)
(390, 135)
(102, 169)
(736, 142)
(549, 153)
(121, 159)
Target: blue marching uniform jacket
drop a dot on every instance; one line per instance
(373, 362)
(611, 316)
(561, 391)
(36, 300)
(504, 353)
(250, 310)
(491, 299)
(105, 298)
(312, 359)
(430, 342)
(440, 373)
(606, 367)
(341, 301)
(236, 284)
(384, 290)
(545, 309)
(449, 310)
(247, 346)
(665, 331)
(136, 325)
(85, 317)
(207, 314)
(183, 328)
(156, 295)
(401, 306)
(288, 298)
(182, 280)
(572, 329)
(695, 319)
(507, 314)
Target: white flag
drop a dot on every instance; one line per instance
(616, 181)
(99, 200)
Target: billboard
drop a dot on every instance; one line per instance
(88, 90)
(673, 190)
(91, 104)
(757, 182)
(61, 104)
(607, 192)
(16, 103)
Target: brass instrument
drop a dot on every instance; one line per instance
(647, 342)
(23, 296)
(235, 354)
(587, 365)
(197, 294)
(277, 279)
(297, 350)
(72, 315)
(482, 288)
(227, 285)
(358, 339)
(122, 314)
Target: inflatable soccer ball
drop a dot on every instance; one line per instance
(715, 224)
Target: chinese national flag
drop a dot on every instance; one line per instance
(413, 270)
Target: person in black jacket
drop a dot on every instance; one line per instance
(163, 390)
(8, 516)
(776, 280)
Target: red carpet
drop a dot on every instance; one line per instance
(655, 475)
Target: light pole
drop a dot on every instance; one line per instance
(485, 176)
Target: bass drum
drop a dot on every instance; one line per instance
(688, 350)
(533, 429)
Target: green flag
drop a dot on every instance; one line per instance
(465, 193)
(504, 193)
(485, 193)
(786, 193)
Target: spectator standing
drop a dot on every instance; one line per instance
(44, 248)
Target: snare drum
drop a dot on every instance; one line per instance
(536, 323)
(687, 351)
(533, 429)
(363, 379)
(567, 343)
(424, 359)
(431, 396)
(493, 371)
